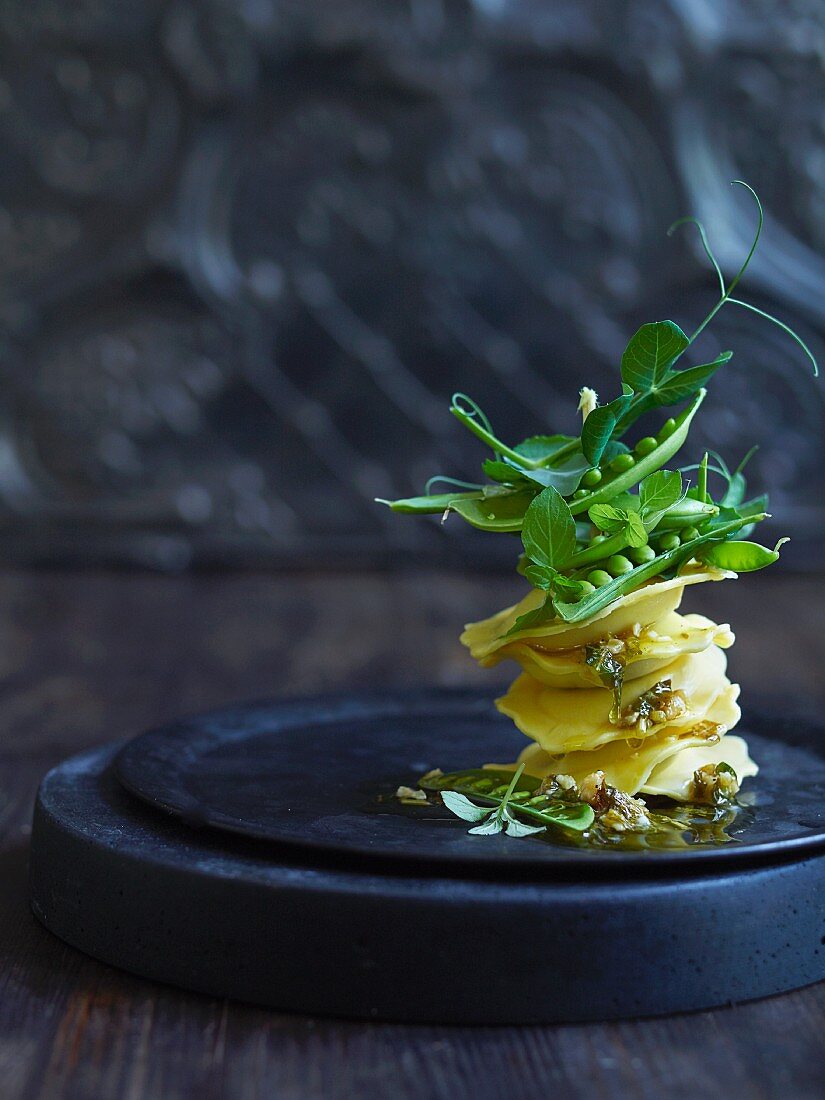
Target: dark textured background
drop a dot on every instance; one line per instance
(249, 248)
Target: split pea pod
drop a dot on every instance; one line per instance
(672, 559)
(648, 464)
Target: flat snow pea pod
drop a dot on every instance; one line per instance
(503, 512)
(432, 503)
(741, 557)
(478, 782)
(646, 465)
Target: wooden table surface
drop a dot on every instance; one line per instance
(89, 657)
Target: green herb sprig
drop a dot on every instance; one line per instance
(511, 798)
(598, 517)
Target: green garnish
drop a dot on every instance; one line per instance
(609, 667)
(512, 796)
(598, 517)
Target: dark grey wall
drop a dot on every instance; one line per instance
(249, 248)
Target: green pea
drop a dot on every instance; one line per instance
(670, 541)
(618, 483)
(519, 796)
(597, 539)
(640, 554)
(537, 800)
(599, 577)
(621, 463)
(592, 477)
(586, 588)
(580, 494)
(667, 429)
(689, 533)
(646, 445)
(618, 564)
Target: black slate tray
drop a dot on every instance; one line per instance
(230, 874)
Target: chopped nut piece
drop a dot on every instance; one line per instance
(711, 731)
(594, 791)
(655, 707)
(714, 783)
(559, 786)
(410, 794)
(620, 812)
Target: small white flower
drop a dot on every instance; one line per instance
(588, 400)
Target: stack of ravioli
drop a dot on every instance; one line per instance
(562, 704)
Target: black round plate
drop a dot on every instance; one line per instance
(239, 918)
(310, 774)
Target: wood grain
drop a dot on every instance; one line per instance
(87, 657)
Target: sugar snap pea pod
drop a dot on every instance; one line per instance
(627, 582)
(646, 465)
(686, 513)
(741, 557)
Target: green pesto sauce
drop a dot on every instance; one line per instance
(674, 825)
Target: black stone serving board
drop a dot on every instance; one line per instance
(331, 931)
(319, 774)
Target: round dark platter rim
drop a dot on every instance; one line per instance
(385, 952)
(695, 859)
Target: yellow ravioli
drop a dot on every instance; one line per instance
(630, 768)
(645, 605)
(561, 720)
(673, 776)
(656, 646)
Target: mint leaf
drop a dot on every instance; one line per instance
(600, 424)
(537, 617)
(492, 826)
(680, 385)
(658, 492)
(566, 587)
(548, 530)
(613, 520)
(635, 530)
(608, 518)
(497, 470)
(564, 477)
(540, 576)
(539, 448)
(462, 807)
(651, 352)
(513, 827)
